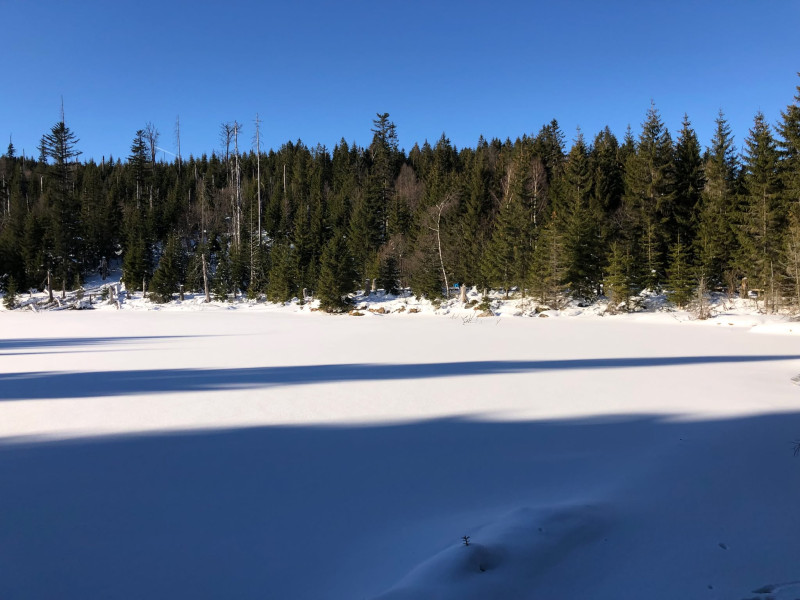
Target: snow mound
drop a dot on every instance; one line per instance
(506, 557)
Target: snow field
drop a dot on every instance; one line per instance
(276, 454)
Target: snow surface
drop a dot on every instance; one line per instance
(261, 451)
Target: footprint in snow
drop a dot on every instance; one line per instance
(766, 591)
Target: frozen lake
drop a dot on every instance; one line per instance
(246, 454)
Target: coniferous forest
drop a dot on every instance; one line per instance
(596, 217)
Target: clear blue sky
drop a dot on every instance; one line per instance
(320, 70)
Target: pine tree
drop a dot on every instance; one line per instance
(579, 221)
(509, 250)
(472, 224)
(389, 274)
(764, 212)
(689, 183)
(223, 278)
(607, 174)
(10, 298)
(384, 153)
(617, 283)
(549, 266)
(138, 164)
(282, 284)
(59, 146)
(716, 240)
(336, 276)
(791, 265)
(789, 144)
(680, 281)
(649, 197)
(170, 272)
(137, 264)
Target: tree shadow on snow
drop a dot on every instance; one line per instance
(9, 347)
(339, 512)
(53, 385)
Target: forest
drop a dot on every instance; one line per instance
(602, 217)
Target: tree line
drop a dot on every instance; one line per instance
(604, 217)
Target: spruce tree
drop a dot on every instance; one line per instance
(680, 281)
(59, 147)
(389, 274)
(617, 283)
(689, 183)
(384, 153)
(607, 174)
(578, 220)
(549, 266)
(10, 298)
(716, 239)
(789, 145)
(169, 273)
(137, 264)
(336, 276)
(283, 277)
(649, 197)
(509, 249)
(473, 220)
(223, 278)
(138, 164)
(764, 214)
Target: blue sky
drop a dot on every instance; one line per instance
(319, 71)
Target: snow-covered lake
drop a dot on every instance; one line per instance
(247, 454)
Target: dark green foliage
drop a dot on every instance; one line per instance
(63, 224)
(336, 276)
(549, 266)
(715, 241)
(10, 298)
(689, 184)
(649, 198)
(789, 145)
(579, 222)
(680, 280)
(425, 277)
(223, 279)
(618, 285)
(505, 261)
(763, 216)
(170, 272)
(283, 274)
(137, 265)
(389, 274)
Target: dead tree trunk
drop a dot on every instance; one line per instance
(205, 278)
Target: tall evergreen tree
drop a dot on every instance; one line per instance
(763, 211)
(138, 164)
(680, 280)
(384, 154)
(617, 284)
(789, 145)
(508, 251)
(59, 147)
(716, 239)
(170, 271)
(283, 275)
(689, 183)
(579, 218)
(336, 277)
(649, 197)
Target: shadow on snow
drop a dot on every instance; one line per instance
(46, 345)
(53, 385)
(339, 512)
